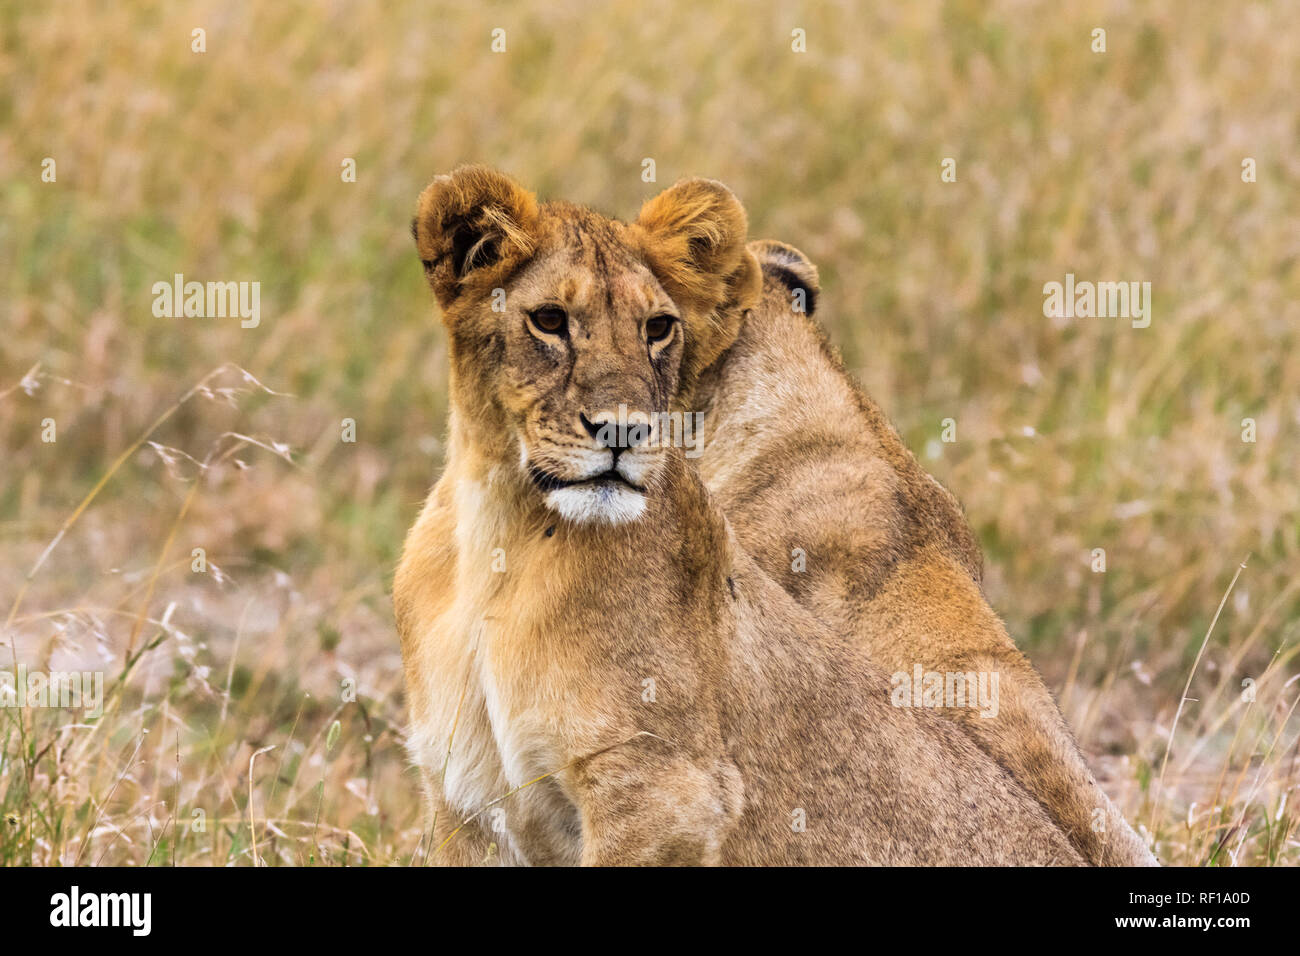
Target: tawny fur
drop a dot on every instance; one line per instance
(639, 693)
(799, 458)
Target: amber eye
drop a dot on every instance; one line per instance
(549, 319)
(657, 328)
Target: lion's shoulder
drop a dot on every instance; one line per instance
(789, 423)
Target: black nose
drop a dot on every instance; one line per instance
(610, 434)
(592, 428)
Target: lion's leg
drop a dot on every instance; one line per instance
(641, 806)
(1030, 739)
(1026, 732)
(453, 841)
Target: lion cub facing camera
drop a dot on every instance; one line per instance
(597, 672)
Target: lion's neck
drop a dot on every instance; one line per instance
(494, 504)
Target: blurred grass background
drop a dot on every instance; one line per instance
(1071, 434)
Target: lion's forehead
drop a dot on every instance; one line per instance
(581, 289)
(590, 263)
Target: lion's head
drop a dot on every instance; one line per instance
(573, 334)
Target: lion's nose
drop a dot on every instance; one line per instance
(606, 428)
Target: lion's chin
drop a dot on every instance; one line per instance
(597, 502)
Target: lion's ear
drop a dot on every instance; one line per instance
(694, 241)
(472, 228)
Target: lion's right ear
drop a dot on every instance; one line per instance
(787, 265)
(472, 228)
(694, 241)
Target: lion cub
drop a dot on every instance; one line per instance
(597, 672)
(804, 464)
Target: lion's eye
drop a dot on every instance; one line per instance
(657, 328)
(549, 319)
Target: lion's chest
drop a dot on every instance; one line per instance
(498, 735)
(488, 706)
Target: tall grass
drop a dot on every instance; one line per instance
(1071, 435)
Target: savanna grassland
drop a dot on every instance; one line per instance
(253, 709)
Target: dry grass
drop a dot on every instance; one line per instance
(1071, 435)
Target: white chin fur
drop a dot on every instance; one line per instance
(605, 502)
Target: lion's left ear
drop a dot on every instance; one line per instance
(471, 228)
(694, 240)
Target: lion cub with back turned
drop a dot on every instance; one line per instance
(805, 464)
(597, 672)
